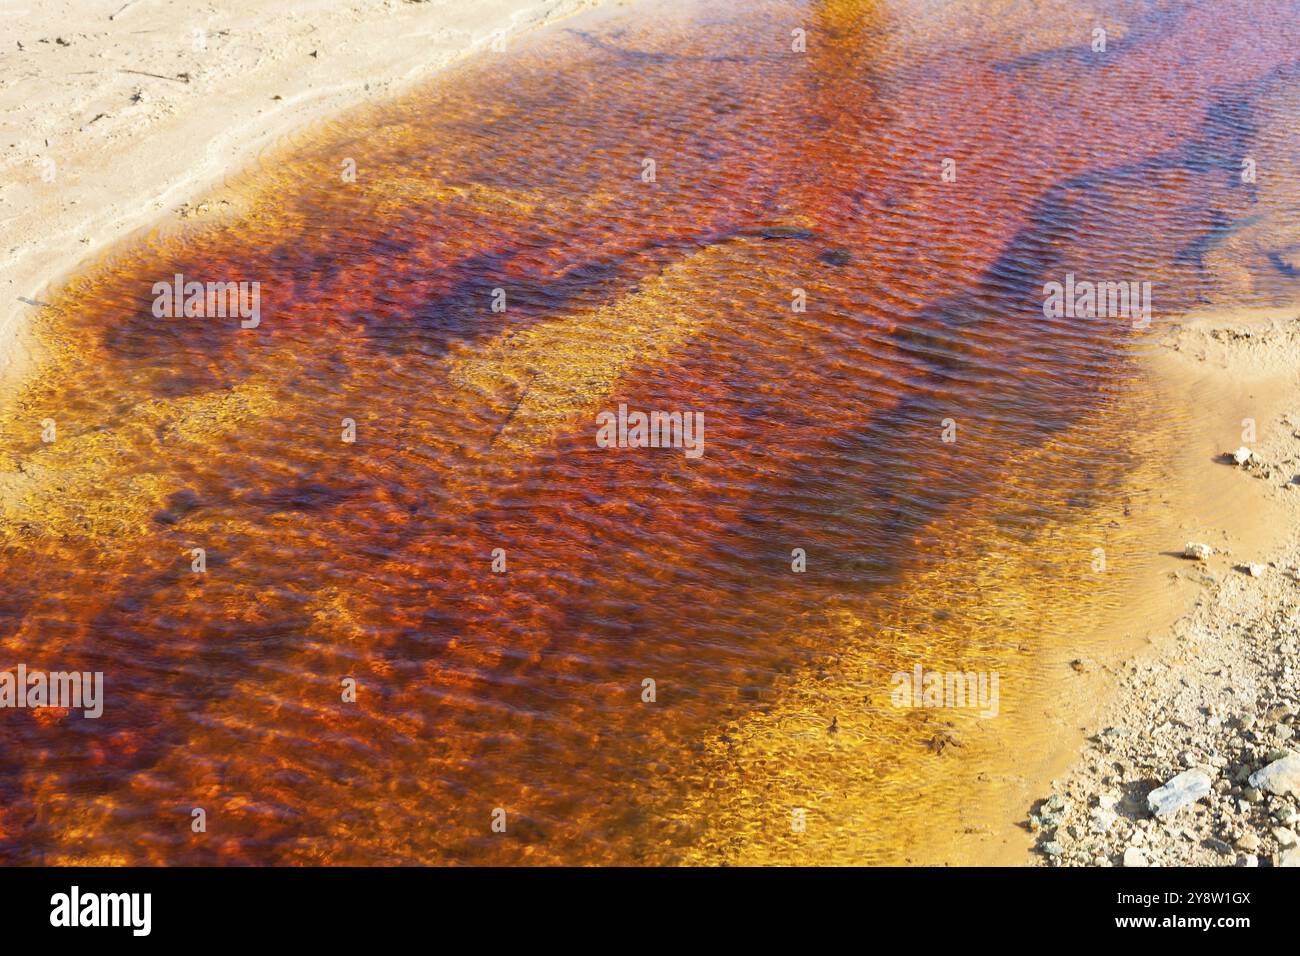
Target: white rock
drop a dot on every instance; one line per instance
(1197, 551)
(1284, 836)
(1280, 778)
(1101, 820)
(1242, 455)
(1188, 787)
(1257, 570)
(1135, 857)
(1291, 857)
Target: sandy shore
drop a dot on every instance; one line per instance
(1211, 705)
(118, 113)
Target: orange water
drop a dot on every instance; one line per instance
(523, 691)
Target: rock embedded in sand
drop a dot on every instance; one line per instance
(1101, 820)
(1257, 570)
(1242, 455)
(1135, 857)
(1280, 778)
(1188, 787)
(1197, 551)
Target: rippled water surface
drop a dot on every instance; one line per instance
(775, 171)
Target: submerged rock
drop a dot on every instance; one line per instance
(836, 257)
(1188, 787)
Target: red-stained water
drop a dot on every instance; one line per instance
(775, 170)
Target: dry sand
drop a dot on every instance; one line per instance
(118, 113)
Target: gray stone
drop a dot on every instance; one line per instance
(1281, 777)
(1188, 787)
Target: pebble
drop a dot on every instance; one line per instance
(1197, 551)
(1135, 857)
(1218, 846)
(1101, 820)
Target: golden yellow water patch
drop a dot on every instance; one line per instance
(90, 482)
(830, 763)
(546, 375)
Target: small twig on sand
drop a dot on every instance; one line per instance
(114, 16)
(182, 78)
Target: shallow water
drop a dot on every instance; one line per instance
(475, 431)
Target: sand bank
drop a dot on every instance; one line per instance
(1215, 692)
(119, 113)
